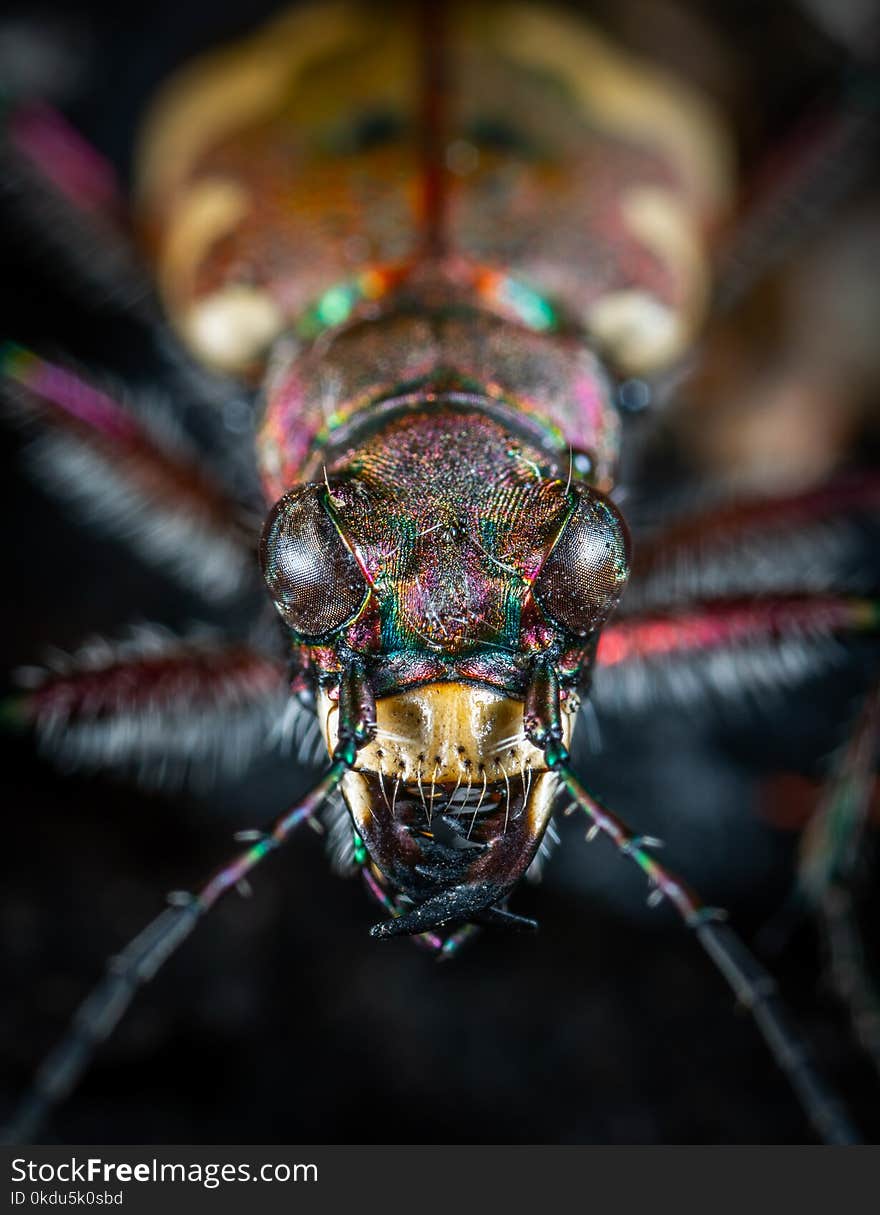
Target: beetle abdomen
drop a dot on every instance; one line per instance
(577, 182)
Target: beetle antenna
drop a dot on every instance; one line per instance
(104, 1007)
(751, 983)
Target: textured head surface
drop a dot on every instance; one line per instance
(450, 520)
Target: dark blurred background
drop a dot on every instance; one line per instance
(280, 1021)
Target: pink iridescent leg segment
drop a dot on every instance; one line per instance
(726, 622)
(128, 474)
(160, 706)
(64, 158)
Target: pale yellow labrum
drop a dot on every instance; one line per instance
(443, 732)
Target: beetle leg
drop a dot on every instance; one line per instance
(103, 1009)
(799, 184)
(730, 646)
(828, 867)
(787, 545)
(163, 706)
(752, 984)
(801, 181)
(126, 472)
(63, 195)
(43, 136)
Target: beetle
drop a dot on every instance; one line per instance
(584, 507)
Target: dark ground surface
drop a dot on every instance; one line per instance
(280, 1021)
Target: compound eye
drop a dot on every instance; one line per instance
(314, 580)
(584, 576)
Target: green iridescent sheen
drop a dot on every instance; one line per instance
(332, 308)
(533, 309)
(555, 753)
(346, 752)
(449, 519)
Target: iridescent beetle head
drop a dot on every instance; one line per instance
(442, 567)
